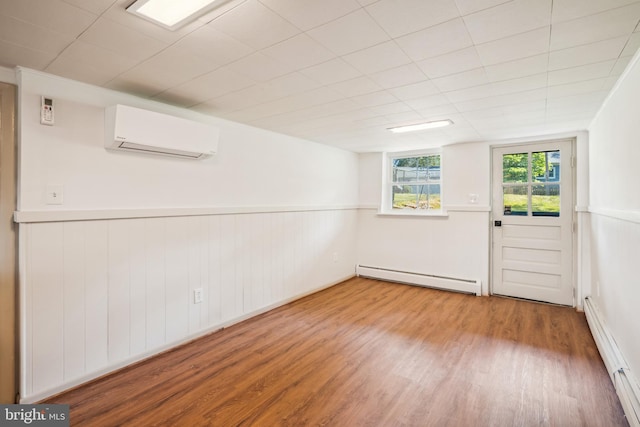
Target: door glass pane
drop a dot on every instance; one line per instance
(416, 196)
(545, 200)
(515, 167)
(545, 166)
(515, 199)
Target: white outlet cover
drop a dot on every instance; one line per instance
(55, 194)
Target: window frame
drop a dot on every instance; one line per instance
(386, 203)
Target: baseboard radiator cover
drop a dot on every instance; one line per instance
(623, 379)
(421, 279)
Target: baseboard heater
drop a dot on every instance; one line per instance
(623, 380)
(421, 279)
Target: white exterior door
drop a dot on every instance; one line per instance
(533, 222)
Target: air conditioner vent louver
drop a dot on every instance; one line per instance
(142, 131)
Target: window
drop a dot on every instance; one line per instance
(413, 183)
(531, 183)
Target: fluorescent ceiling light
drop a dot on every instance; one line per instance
(172, 14)
(421, 126)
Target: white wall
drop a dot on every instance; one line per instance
(453, 246)
(268, 219)
(615, 213)
(7, 75)
(252, 168)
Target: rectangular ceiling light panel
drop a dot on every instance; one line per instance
(421, 126)
(172, 14)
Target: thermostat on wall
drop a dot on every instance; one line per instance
(46, 111)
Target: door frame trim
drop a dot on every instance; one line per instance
(574, 219)
(9, 358)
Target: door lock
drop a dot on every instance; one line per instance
(497, 223)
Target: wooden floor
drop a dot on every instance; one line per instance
(369, 353)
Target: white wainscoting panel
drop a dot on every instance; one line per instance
(101, 294)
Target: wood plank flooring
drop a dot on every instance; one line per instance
(370, 353)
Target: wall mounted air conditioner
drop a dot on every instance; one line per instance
(142, 131)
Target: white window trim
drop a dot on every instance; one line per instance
(387, 173)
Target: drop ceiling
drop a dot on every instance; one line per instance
(340, 72)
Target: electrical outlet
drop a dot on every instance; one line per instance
(198, 296)
(335, 257)
(54, 194)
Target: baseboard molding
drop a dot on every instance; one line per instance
(421, 279)
(623, 379)
(113, 368)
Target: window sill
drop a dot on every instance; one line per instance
(414, 214)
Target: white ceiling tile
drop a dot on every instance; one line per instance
(211, 85)
(451, 63)
(500, 111)
(122, 40)
(586, 54)
(299, 51)
(438, 111)
(584, 72)
(403, 17)
(292, 84)
(586, 86)
(307, 14)
(404, 118)
(469, 6)
(521, 84)
(254, 25)
(620, 66)
(32, 36)
(93, 6)
(244, 98)
(421, 104)
(91, 64)
(471, 93)
(141, 88)
(177, 99)
(333, 71)
(415, 90)
(215, 45)
(375, 98)
(13, 55)
(502, 100)
(339, 35)
(535, 117)
(593, 28)
(518, 68)
(437, 40)
(462, 80)
(576, 103)
(632, 45)
(394, 108)
(322, 95)
(260, 67)
(610, 83)
(520, 46)
(508, 19)
(54, 15)
(378, 58)
(399, 76)
(171, 67)
(566, 10)
(355, 87)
